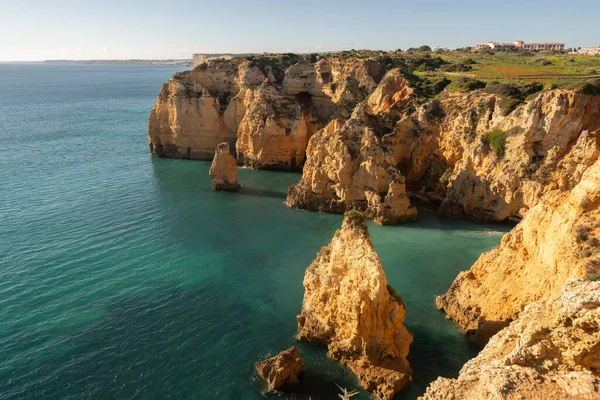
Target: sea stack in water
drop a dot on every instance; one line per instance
(349, 306)
(223, 170)
(283, 369)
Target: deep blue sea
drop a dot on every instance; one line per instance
(123, 276)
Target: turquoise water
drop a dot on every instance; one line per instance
(123, 276)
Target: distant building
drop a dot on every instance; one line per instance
(521, 45)
(496, 46)
(546, 46)
(589, 51)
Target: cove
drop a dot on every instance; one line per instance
(126, 276)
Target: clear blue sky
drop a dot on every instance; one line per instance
(87, 29)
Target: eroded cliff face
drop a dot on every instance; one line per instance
(349, 306)
(497, 186)
(551, 351)
(558, 239)
(267, 111)
(348, 165)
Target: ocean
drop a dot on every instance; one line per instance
(124, 276)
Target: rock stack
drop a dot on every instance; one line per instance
(223, 170)
(349, 306)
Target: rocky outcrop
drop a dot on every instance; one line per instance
(551, 351)
(274, 131)
(443, 149)
(281, 370)
(558, 239)
(190, 116)
(223, 170)
(267, 107)
(392, 94)
(347, 169)
(502, 184)
(349, 306)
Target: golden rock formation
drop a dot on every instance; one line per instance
(558, 239)
(266, 112)
(223, 170)
(283, 369)
(349, 306)
(550, 351)
(499, 185)
(347, 169)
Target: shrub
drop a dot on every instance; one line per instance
(348, 104)
(531, 88)
(424, 48)
(469, 61)
(543, 61)
(356, 218)
(497, 140)
(503, 89)
(508, 105)
(435, 86)
(593, 277)
(582, 233)
(468, 84)
(592, 88)
(456, 68)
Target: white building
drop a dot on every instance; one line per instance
(519, 44)
(589, 51)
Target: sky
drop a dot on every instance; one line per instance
(33, 30)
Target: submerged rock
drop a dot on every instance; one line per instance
(349, 306)
(283, 369)
(551, 351)
(223, 170)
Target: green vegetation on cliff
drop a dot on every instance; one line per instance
(497, 140)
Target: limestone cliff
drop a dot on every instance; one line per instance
(559, 238)
(347, 169)
(265, 107)
(348, 165)
(349, 306)
(503, 183)
(551, 351)
(443, 149)
(223, 170)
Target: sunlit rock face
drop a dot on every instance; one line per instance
(223, 170)
(550, 351)
(349, 306)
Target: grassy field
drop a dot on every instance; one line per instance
(524, 67)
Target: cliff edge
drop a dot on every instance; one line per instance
(551, 351)
(558, 239)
